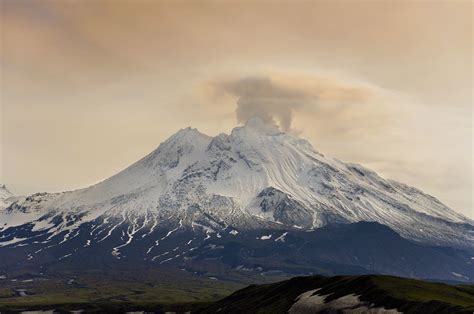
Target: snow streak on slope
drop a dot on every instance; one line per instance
(255, 177)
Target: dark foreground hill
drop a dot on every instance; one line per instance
(160, 293)
(348, 294)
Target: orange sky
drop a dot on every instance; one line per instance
(88, 87)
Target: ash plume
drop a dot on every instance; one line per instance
(276, 100)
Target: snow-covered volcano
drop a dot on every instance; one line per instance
(255, 177)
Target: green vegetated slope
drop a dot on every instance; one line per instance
(154, 290)
(161, 291)
(405, 295)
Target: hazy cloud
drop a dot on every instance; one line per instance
(259, 96)
(277, 99)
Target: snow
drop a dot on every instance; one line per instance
(169, 233)
(4, 192)
(6, 197)
(166, 260)
(207, 229)
(459, 275)
(266, 237)
(191, 177)
(112, 229)
(158, 256)
(311, 302)
(131, 231)
(65, 256)
(281, 238)
(12, 241)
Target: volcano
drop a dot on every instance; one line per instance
(257, 199)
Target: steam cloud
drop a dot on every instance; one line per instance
(261, 97)
(276, 99)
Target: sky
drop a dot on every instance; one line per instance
(89, 87)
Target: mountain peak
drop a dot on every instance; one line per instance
(258, 125)
(4, 192)
(187, 131)
(188, 135)
(255, 122)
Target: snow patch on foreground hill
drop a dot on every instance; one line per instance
(312, 302)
